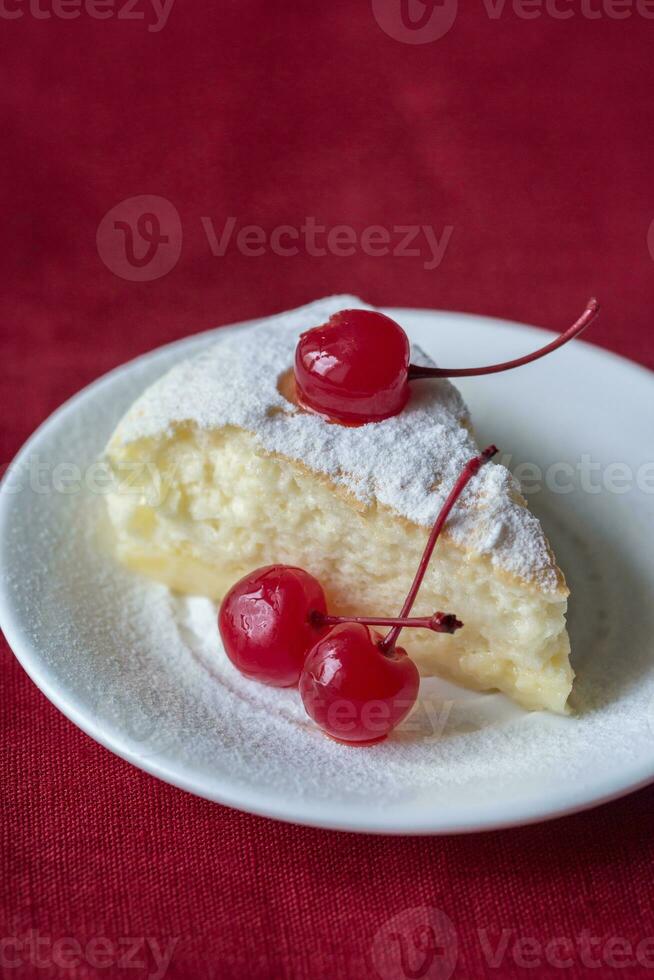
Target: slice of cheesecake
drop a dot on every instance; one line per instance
(217, 472)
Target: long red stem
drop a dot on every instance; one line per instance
(471, 469)
(416, 372)
(438, 623)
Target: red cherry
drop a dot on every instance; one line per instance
(357, 686)
(353, 690)
(270, 619)
(266, 623)
(355, 368)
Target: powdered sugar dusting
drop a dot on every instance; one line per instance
(408, 463)
(144, 671)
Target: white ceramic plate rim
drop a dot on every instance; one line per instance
(498, 814)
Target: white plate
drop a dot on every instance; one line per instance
(463, 762)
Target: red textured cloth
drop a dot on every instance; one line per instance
(531, 139)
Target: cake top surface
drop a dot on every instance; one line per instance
(408, 463)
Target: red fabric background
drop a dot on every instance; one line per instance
(533, 140)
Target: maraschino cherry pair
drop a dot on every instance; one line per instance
(355, 368)
(355, 684)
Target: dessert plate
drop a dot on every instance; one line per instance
(142, 670)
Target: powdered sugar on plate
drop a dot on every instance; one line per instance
(150, 666)
(408, 463)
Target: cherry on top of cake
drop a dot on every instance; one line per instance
(355, 368)
(407, 463)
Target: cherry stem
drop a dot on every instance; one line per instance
(438, 623)
(416, 372)
(471, 469)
